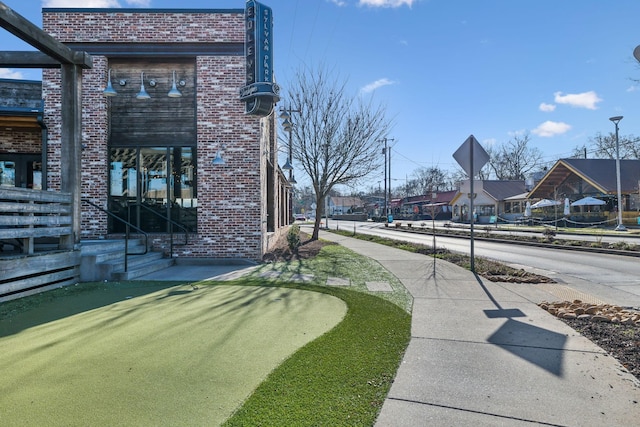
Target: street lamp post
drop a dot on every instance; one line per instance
(620, 226)
(287, 125)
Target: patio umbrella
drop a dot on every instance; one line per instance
(527, 209)
(567, 209)
(544, 203)
(588, 201)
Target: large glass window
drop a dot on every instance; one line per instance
(21, 170)
(148, 185)
(485, 210)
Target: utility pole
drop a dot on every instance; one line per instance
(386, 152)
(389, 151)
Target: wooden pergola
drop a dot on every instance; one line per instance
(53, 54)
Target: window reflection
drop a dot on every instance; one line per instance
(145, 180)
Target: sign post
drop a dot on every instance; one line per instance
(472, 158)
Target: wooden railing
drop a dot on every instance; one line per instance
(28, 214)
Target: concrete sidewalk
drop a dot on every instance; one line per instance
(484, 354)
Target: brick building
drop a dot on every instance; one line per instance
(152, 145)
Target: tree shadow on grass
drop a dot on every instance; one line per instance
(24, 313)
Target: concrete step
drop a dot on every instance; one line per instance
(105, 259)
(93, 247)
(141, 269)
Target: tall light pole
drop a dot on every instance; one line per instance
(620, 226)
(287, 125)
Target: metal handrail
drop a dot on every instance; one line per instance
(128, 225)
(171, 222)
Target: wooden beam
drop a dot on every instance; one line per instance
(27, 59)
(36, 37)
(71, 147)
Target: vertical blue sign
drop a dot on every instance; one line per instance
(260, 93)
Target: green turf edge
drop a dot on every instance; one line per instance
(341, 378)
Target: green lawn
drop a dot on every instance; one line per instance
(270, 352)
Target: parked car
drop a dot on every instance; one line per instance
(299, 217)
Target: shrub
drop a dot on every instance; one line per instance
(624, 246)
(549, 233)
(398, 224)
(293, 237)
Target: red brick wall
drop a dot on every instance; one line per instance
(21, 141)
(231, 202)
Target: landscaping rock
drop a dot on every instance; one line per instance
(595, 313)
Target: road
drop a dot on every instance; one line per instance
(611, 278)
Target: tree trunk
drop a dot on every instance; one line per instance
(319, 209)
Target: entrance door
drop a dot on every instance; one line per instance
(155, 188)
(150, 184)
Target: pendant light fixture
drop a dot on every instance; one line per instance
(109, 90)
(143, 93)
(174, 92)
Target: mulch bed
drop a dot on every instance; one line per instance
(308, 249)
(620, 341)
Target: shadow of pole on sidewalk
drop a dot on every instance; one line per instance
(536, 345)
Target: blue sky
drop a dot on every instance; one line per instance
(446, 69)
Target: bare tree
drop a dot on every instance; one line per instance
(604, 146)
(515, 159)
(457, 177)
(579, 152)
(426, 180)
(336, 138)
(488, 169)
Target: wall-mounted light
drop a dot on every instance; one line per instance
(109, 90)
(174, 92)
(143, 93)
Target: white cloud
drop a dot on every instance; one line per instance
(338, 2)
(547, 108)
(6, 73)
(377, 84)
(581, 100)
(632, 88)
(138, 3)
(549, 129)
(386, 3)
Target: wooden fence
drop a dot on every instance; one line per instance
(26, 216)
